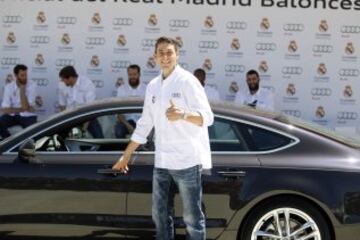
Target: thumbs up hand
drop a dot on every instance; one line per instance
(174, 113)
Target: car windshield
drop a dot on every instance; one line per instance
(329, 133)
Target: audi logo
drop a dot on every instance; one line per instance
(350, 29)
(292, 70)
(323, 48)
(179, 23)
(293, 27)
(349, 72)
(12, 19)
(148, 42)
(291, 112)
(122, 21)
(184, 65)
(40, 39)
(95, 41)
(7, 61)
(120, 64)
(347, 115)
(98, 83)
(236, 25)
(66, 20)
(234, 68)
(41, 82)
(266, 46)
(324, 92)
(209, 44)
(62, 62)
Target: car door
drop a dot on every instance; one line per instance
(68, 189)
(222, 185)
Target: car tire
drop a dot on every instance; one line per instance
(261, 222)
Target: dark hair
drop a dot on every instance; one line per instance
(134, 66)
(68, 71)
(167, 40)
(251, 72)
(19, 67)
(200, 74)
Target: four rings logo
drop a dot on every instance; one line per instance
(98, 83)
(179, 23)
(321, 70)
(39, 59)
(95, 41)
(41, 18)
(62, 62)
(40, 39)
(151, 62)
(41, 82)
(65, 39)
(121, 40)
(152, 20)
(11, 39)
(184, 65)
(236, 25)
(323, 26)
(95, 61)
(265, 24)
(209, 44)
(350, 29)
(292, 112)
(8, 61)
(235, 44)
(291, 90)
(66, 20)
(349, 72)
(12, 19)
(263, 67)
(323, 92)
(349, 49)
(266, 46)
(120, 64)
(293, 47)
(179, 41)
(348, 92)
(207, 65)
(322, 48)
(292, 70)
(209, 22)
(233, 68)
(96, 19)
(293, 27)
(347, 115)
(320, 112)
(123, 21)
(148, 42)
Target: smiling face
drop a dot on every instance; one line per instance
(166, 56)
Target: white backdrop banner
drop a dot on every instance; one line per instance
(306, 51)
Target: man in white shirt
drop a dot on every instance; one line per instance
(127, 122)
(177, 107)
(254, 96)
(75, 90)
(18, 103)
(211, 92)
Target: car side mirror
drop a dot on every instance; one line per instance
(27, 151)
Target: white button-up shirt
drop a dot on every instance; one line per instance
(12, 99)
(126, 91)
(179, 144)
(212, 93)
(262, 99)
(82, 92)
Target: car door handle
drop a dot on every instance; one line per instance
(110, 171)
(232, 174)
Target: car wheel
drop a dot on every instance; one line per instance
(285, 219)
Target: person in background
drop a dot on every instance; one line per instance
(211, 92)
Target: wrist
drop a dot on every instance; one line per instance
(184, 115)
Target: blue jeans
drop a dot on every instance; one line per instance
(188, 182)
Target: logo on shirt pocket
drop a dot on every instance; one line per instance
(153, 99)
(176, 95)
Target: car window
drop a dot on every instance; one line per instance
(109, 132)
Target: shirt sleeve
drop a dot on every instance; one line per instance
(61, 96)
(269, 101)
(146, 122)
(90, 94)
(31, 94)
(6, 102)
(196, 99)
(239, 97)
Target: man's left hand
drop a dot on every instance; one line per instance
(174, 113)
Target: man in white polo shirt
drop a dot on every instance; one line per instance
(177, 107)
(211, 92)
(255, 96)
(18, 103)
(75, 90)
(127, 122)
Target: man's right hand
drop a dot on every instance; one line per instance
(122, 164)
